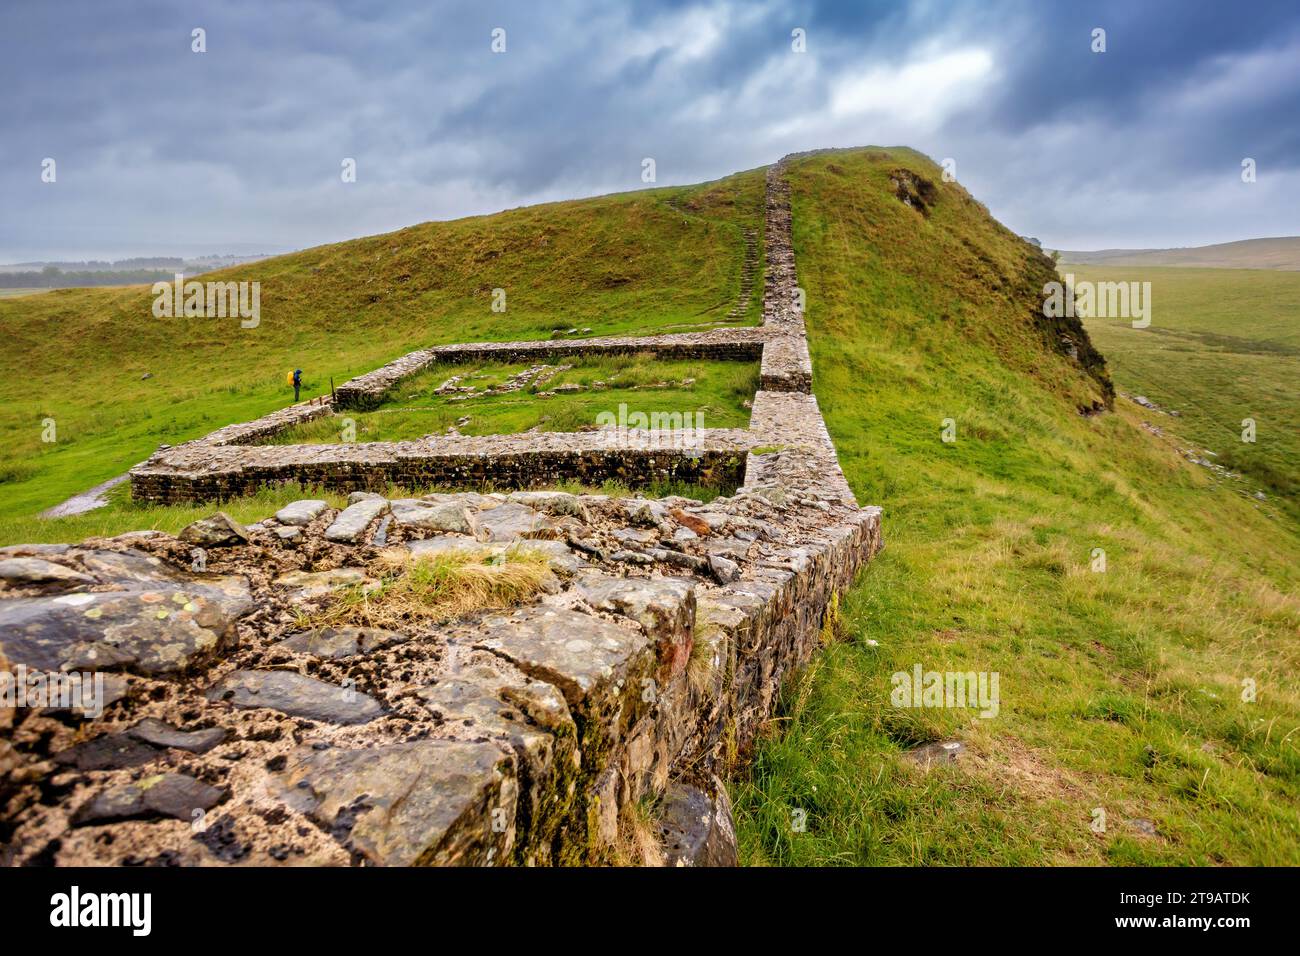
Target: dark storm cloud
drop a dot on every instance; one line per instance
(163, 151)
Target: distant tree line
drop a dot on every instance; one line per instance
(52, 277)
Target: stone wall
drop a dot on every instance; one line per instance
(716, 459)
(647, 664)
(723, 345)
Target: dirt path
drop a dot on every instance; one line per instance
(86, 501)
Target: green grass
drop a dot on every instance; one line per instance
(645, 262)
(1223, 346)
(1120, 689)
(712, 394)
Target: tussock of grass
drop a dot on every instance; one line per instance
(638, 842)
(431, 588)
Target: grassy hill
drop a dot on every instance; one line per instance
(1280, 253)
(643, 262)
(1121, 689)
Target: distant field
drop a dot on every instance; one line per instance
(1281, 253)
(15, 293)
(1223, 346)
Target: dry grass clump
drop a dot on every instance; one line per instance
(439, 587)
(638, 841)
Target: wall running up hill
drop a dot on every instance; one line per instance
(529, 735)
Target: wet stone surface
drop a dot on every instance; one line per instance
(297, 696)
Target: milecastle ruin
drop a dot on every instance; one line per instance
(234, 732)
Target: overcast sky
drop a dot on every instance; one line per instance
(163, 151)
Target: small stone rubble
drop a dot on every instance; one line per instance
(234, 730)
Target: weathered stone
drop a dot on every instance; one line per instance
(425, 803)
(214, 532)
(165, 630)
(724, 570)
(665, 607)
(161, 734)
(731, 548)
(553, 503)
(124, 567)
(634, 537)
(631, 557)
(353, 520)
(165, 795)
(576, 652)
(446, 516)
(696, 830)
(28, 550)
(938, 752)
(96, 700)
(533, 718)
(107, 752)
(638, 728)
(558, 555)
(333, 643)
(678, 559)
(297, 696)
(1143, 827)
(512, 520)
(359, 496)
(313, 584)
(485, 696)
(288, 534)
(21, 571)
(646, 514)
(301, 513)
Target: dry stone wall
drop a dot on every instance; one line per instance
(727, 345)
(233, 730)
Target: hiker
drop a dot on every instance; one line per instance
(296, 379)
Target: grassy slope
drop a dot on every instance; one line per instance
(1223, 345)
(642, 262)
(1120, 689)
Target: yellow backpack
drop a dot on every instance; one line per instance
(289, 379)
